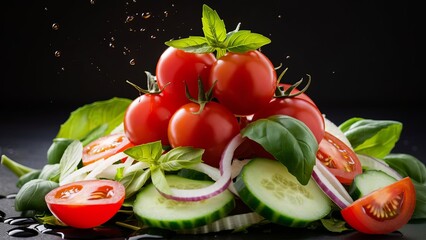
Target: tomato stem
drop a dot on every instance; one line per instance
(280, 92)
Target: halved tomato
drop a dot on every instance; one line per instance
(383, 211)
(340, 159)
(105, 147)
(86, 204)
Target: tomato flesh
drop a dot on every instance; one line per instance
(105, 147)
(383, 211)
(86, 204)
(340, 159)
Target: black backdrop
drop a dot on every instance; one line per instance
(363, 56)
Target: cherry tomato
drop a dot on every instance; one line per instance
(210, 130)
(105, 147)
(147, 117)
(86, 204)
(340, 159)
(245, 82)
(384, 210)
(175, 68)
(299, 109)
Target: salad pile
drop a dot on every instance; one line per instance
(217, 142)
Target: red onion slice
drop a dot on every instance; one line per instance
(331, 186)
(221, 183)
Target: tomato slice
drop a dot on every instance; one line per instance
(86, 204)
(340, 159)
(383, 211)
(105, 147)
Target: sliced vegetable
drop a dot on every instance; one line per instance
(278, 196)
(86, 204)
(339, 158)
(154, 210)
(384, 210)
(331, 185)
(368, 182)
(372, 163)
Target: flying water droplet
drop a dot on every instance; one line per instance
(132, 62)
(146, 15)
(57, 53)
(55, 26)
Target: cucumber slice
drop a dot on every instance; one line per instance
(154, 210)
(371, 163)
(369, 181)
(269, 189)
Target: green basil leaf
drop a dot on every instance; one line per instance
(376, 138)
(213, 27)
(194, 44)
(407, 165)
(289, 140)
(347, 124)
(243, 41)
(31, 195)
(420, 209)
(50, 172)
(149, 152)
(70, 159)
(334, 225)
(159, 180)
(90, 116)
(94, 134)
(27, 177)
(180, 157)
(56, 149)
(134, 180)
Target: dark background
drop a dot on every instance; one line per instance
(362, 55)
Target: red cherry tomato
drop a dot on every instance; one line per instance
(299, 109)
(176, 67)
(211, 129)
(340, 159)
(105, 147)
(86, 204)
(147, 117)
(245, 82)
(383, 211)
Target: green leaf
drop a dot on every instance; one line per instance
(88, 117)
(180, 157)
(50, 172)
(213, 27)
(289, 140)
(376, 138)
(420, 210)
(134, 180)
(407, 165)
(56, 149)
(243, 41)
(31, 195)
(159, 180)
(94, 134)
(70, 159)
(149, 152)
(15, 167)
(27, 177)
(334, 225)
(194, 44)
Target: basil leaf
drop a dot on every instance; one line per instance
(27, 177)
(194, 44)
(50, 172)
(94, 134)
(159, 180)
(90, 116)
(289, 140)
(31, 195)
(334, 225)
(376, 138)
(243, 41)
(56, 149)
(407, 165)
(180, 157)
(420, 209)
(133, 181)
(213, 27)
(70, 159)
(149, 152)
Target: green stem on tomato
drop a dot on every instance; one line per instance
(17, 168)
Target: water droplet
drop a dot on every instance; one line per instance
(132, 62)
(146, 15)
(11, 196)
(22, 232)
(142, 29)
(111, 45)
(129, 19)
(153, 37)
(19, 220)
(280, 16)
(57, 53)
(287, 57)
(166, 13)
(92, 2)
(55, 26)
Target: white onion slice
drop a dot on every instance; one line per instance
(105, 164)
(227, 223)
(331, 186)
(334, 130)
(217, 187)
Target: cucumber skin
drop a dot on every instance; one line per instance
(184, 223)
(354, 190)
(256, 205)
